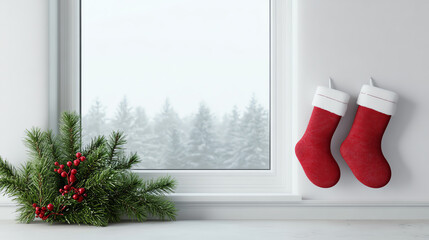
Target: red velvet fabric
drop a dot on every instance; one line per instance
(314, 149)
(362, 148)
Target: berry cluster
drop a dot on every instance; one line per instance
(45, 212)
(79, 194)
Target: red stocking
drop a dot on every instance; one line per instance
(362, 147)
(314, 149)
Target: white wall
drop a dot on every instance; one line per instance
(23, 73)
(350, 41)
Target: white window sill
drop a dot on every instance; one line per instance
(227, 230)
(273, 206)
(234, 197)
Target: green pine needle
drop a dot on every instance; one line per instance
(113, 190)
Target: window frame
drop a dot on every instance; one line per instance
(65, 76)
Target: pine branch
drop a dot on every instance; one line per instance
(33, 141)
(6, 169)
(8, 186)
(53, 146)
(95, 161)
(43, 179)
(125, 162)
(15, 184)
(26, 214)
(152, 199)
(159, 206)
(159, 186)
(115, 144)
(120, 201)
(125, 200)
(10, 181)
(84, 214)
(96, 143)
(111, 190)
(70, 134)
(104, 179)
(132, 210)
(25, 182)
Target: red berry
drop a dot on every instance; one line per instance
(75, 196)
(76, 162)
(63, 174)
(73, 171)
(50, 207)
(44, 209)
(66, 187)
(66, 191)
(61, 190)
(55, 170)
(59, 171)
(85, 195)
(81, 191)
(57, 164)
(82, 158)
(41, 215)
(44, 218)
(34, 205)
(62, 166)
(80, 199)
(69, 163)
(72, 178)
(78, 154)
(37, 212)
(37, 208)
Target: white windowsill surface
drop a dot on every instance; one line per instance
(225, 230)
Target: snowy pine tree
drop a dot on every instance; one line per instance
(169, 142)
(254, 151)
(175, 153)
(232, 140)
(94, 122)
(168, 136)
(123, 119)
(203, 143)
(141, 139)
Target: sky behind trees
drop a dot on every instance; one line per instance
(188, 51)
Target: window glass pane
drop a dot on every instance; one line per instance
(186, 80)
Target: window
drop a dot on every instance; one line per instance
(201, 88)
(187, 81)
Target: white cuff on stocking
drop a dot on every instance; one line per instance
(331, 100)
(378, 99)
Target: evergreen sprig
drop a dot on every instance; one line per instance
(113, 190)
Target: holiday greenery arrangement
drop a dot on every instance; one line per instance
(64, 182)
